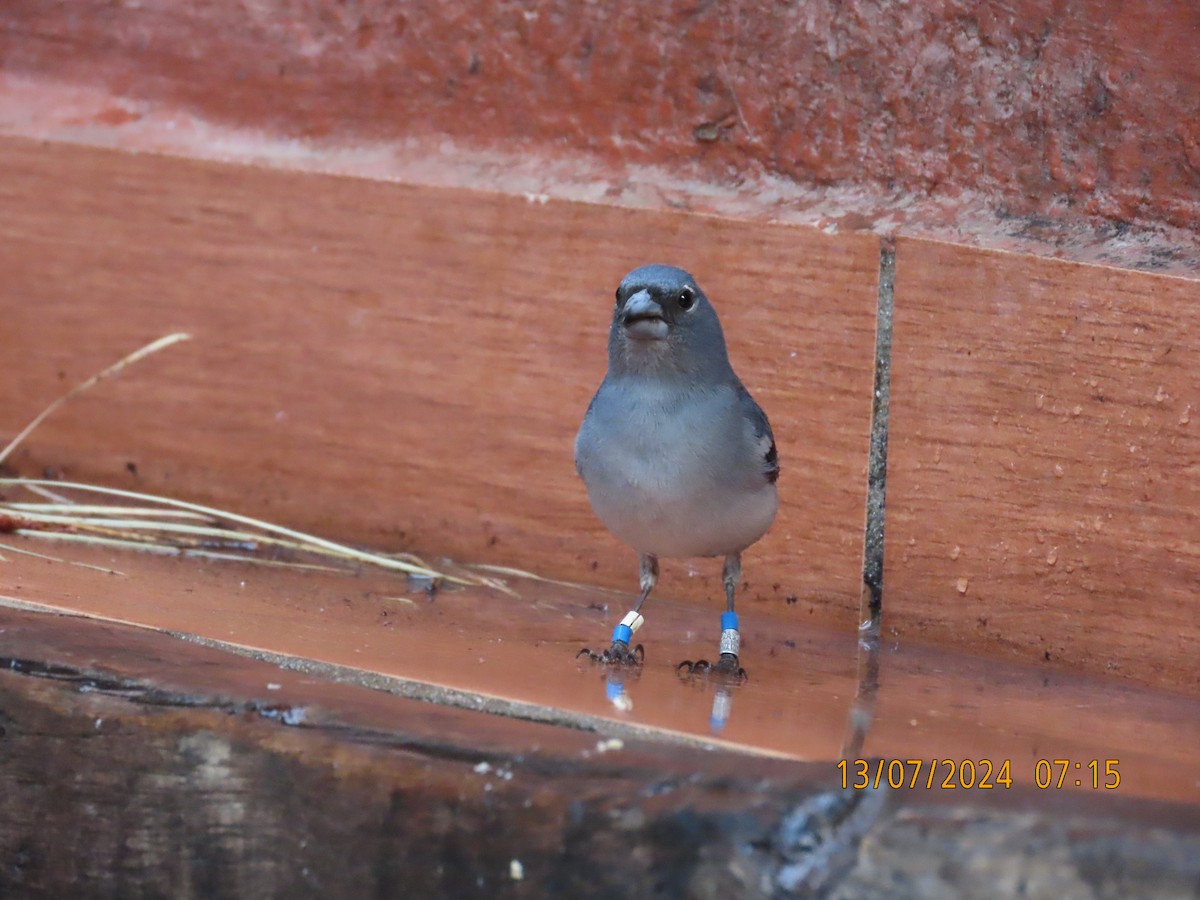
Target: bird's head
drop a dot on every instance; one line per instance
(663, 323)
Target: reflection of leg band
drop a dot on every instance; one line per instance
(731, 638)
(631, 623)
(722, 705)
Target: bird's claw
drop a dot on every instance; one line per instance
(619, 654)
(725, 669)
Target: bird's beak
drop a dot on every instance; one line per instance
(643, 318)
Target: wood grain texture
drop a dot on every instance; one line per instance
(407, 366)
(1043, 498)
(204, 791)
(517, 656)
(181, 778)
(485, 644)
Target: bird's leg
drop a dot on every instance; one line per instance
(731, 575)
(731, 637)
(619, 651)
(647, 578)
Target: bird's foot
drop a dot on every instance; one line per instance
(726, 669)
(619, 654)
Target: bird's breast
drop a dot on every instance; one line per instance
(672, 473)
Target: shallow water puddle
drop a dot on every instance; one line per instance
(800, 700)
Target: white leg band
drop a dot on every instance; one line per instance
(731, 641)
(634, 620)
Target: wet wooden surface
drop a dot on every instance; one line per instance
(802, 701)
(135, 763)
(407, 366)
(1042, 480)
(392, 364)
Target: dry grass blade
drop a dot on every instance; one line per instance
(142, 525)
(152, 347)
(217, 540)
(198, 530)
(24, 552)
(161, 549)
(49, 495)
(531, 576)
(83, 509)
(306, 542)
(276, 563)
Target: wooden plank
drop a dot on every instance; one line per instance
(407, 366)
(1043, 498)
(511, 649)
(202, 789)
(517, 655)
(181, 773)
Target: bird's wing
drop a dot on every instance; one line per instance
(761, 431)
(583, 438)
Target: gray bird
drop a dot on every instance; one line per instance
(678, 459)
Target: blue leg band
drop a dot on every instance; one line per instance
(731, 638)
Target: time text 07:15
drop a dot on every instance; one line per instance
(980, 774)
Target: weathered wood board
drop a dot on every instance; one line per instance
(407, 366)
(1043, 497)
(134, 764)
(519, 654)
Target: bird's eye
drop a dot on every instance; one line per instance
(687, 299)
(618, 296)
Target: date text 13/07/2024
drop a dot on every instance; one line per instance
(979, 774)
